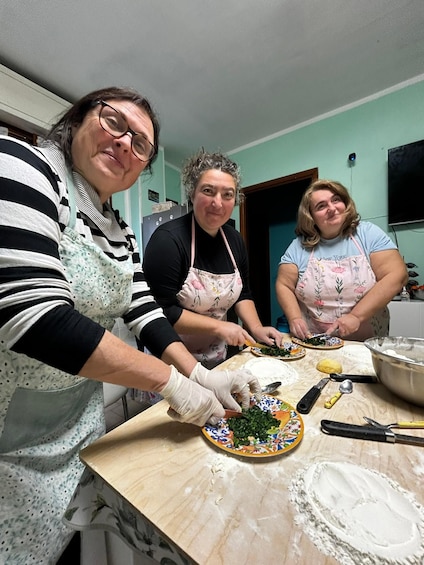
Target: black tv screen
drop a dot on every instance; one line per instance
(406, 183)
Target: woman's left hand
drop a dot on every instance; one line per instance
(268, 335)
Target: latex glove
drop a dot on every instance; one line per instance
(189, 402)
(224, 383)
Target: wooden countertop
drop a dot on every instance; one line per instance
(223, 509)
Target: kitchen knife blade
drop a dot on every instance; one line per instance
(339, 377)
(368, 432)
(308, 400)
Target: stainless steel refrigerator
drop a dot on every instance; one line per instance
(150, 223)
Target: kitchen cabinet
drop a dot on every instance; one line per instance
(406, 318)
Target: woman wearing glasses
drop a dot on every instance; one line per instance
(69, 267)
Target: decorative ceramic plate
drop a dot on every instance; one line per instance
(286, 437)
(287, 352)
(325, 342)
(268, 370)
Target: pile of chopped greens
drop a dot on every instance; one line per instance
(315, 340)
(276, 351)
(253, 422)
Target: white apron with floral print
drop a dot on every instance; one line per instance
(211, 295)
(51, 415)
(330, 288)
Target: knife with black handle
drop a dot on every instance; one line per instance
(368, 432)
(308, 400)
(339, 377)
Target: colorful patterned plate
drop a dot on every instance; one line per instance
(293, 352)
(289, 434)
(328, 343)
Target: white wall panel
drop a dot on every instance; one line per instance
(26, 105)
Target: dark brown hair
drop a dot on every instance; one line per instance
(61, 132)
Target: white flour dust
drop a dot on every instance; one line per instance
(419, 466)
(225, 471)
(358, 516)
(358, 359)
(268, 370)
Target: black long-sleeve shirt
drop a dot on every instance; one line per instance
(168, 254)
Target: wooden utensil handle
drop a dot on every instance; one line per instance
(232, 414)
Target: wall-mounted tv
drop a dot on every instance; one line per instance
(406, 183)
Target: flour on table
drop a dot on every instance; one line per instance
(419, 466)
(358, 358)
(358, 516)
(268, 370)
(226, 469)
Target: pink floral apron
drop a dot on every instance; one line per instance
(211, 295)
(330, 288)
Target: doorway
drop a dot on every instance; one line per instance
(267, 221)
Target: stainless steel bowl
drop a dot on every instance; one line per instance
(399, 365)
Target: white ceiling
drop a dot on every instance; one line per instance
(220, 73)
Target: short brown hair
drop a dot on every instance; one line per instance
(305, 223)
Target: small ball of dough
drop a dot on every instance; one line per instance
(329, 366)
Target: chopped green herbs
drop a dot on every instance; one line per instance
(253, 422)
(276, 351)
(315, 340)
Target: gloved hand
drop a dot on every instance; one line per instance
(189, 402)
(224, 383)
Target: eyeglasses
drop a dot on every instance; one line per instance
(114, 123)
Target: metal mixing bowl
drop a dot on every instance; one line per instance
(399, 365)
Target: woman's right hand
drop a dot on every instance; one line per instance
(233, 334)
(190, 402)
(226, 383)
(299, 328)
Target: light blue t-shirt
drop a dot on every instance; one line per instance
(370, 238)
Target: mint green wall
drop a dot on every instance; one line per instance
(368, 130)
(155, 182)
(118, 202)
(173, 183)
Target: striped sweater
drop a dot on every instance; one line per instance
(37, 315)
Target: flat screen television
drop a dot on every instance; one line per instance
(406, 184)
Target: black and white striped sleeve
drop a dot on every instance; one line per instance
(36, 308)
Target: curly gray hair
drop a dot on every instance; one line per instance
(202, 161)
